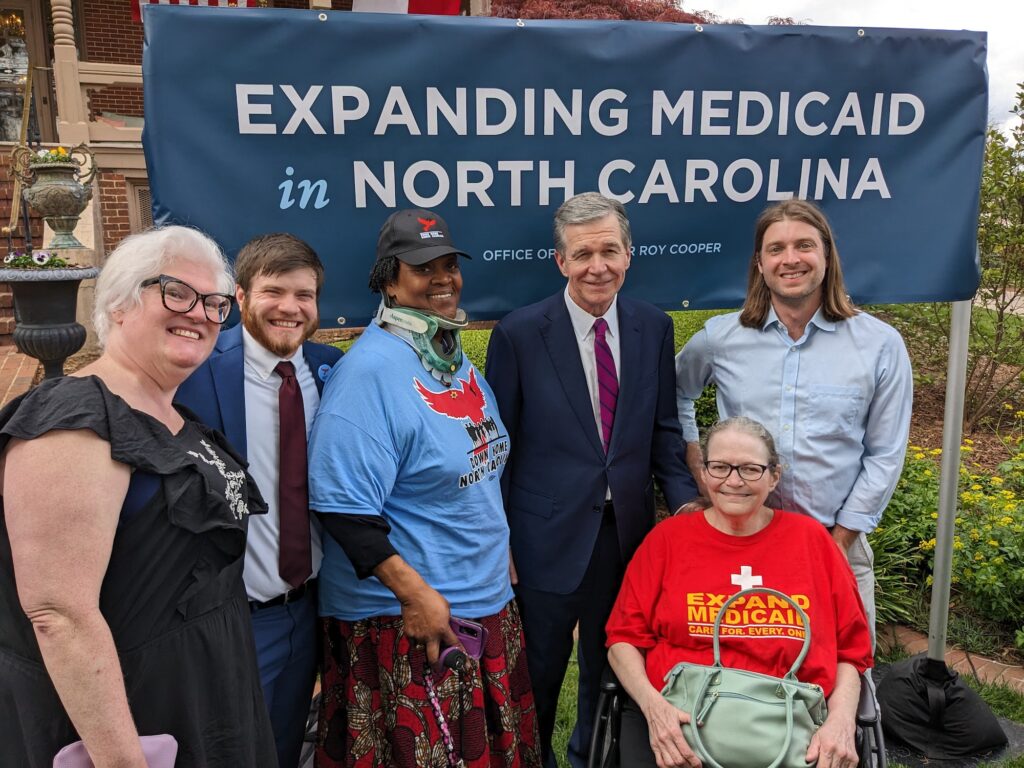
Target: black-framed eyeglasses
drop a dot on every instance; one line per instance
(748, 472)
(179, 296)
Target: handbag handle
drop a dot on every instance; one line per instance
(791, 675)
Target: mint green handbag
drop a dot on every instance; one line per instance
(741, 719)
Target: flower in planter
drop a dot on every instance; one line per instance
(57, 156)
(35, 260)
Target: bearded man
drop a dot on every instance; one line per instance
(261, 387)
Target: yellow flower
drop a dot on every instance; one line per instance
(1006, 520)
(968, 441)
(996, 480)
(965, 449)
(935, 451)
(918, 455)
(978, 557)
(957, 544)
(927, 473)
(61, 151)
(1008, 406)
(935, 515)
(916, 448)
(993, 543)
(975, 487)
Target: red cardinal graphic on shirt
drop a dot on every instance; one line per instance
(427, 223)
(463, 401)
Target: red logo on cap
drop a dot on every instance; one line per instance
(427, 223)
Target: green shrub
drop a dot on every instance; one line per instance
(901, 566)
(685, 325)
(988, 543)
(474, 345)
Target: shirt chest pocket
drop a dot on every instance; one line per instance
(831, 411)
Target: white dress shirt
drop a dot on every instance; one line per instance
(583, 326)
(262, 581)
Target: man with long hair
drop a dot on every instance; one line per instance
(831, 382)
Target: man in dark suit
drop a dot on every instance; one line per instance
(261, 387)
(585, 384)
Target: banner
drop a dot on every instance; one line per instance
(322, 124)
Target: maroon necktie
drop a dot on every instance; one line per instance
(295, 560)
(607, 381)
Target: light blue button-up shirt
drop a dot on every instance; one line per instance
(837, 401)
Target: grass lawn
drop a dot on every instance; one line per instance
(565, 721)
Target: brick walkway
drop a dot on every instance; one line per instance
(16, 373)
(986, 670)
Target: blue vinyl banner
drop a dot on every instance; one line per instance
(323, 123)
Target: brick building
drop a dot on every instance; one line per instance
(86, 57)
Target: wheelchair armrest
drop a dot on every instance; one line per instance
(867, 706)
(609, 682)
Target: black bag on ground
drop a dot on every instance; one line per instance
(926, 705)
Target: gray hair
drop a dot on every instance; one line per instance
(145, 255)
(587, 207)
(748, 426)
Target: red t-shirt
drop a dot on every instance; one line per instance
(686, 569)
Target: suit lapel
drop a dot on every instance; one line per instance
(228, 369)
(313, 360)
(564, 351)
(630, 349)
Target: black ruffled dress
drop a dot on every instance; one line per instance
(172, 595)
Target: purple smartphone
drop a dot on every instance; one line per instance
(472, 636)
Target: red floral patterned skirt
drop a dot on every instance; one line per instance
(375, 710)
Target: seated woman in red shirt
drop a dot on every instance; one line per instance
(687, 567)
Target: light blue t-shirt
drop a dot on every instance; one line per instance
(391, 440)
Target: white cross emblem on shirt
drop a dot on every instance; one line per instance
(746, 578)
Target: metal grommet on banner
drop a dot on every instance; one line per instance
(322, 16)
(860, 33)
(341, 321)
(519, 23)
(698, 27)
(686, 303)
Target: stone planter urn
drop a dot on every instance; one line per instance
(45, 302)
(57, 187)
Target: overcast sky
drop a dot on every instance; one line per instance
(1002, 19)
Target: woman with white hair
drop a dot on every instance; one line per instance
(123, 533)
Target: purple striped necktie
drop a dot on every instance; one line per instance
(607, 380)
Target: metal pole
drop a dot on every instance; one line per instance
(949, 476)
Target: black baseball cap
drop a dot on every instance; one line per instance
(415, 236)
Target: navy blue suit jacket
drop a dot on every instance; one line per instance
(554, 483)
(215, 391)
